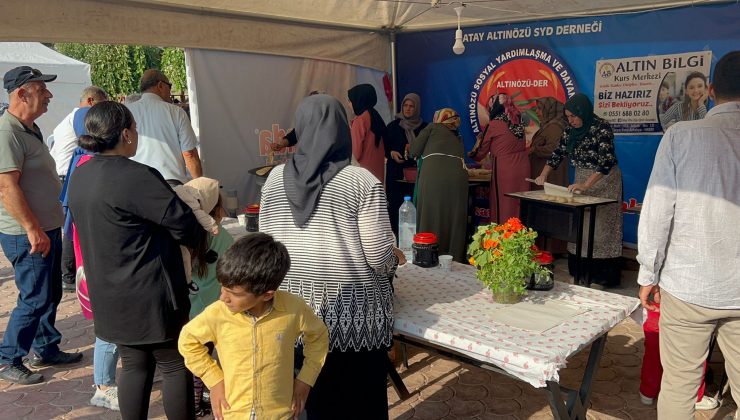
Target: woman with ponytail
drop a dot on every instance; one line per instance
(130, 225)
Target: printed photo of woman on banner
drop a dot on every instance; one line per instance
(694, 94)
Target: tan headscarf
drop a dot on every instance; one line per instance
(553, 111)
(413, 122)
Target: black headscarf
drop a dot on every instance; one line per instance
(325, 148)
(580, 106)
(363, 98)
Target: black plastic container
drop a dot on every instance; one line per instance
(426, 250)
(252, 217)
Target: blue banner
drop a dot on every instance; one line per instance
(426, 65)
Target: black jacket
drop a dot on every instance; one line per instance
(130, 223)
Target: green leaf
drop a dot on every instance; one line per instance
(116, 68)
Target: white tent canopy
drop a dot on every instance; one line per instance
(348, 31)
(72, 77)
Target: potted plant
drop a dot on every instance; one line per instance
(505, 258)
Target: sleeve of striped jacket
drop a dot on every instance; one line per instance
(376, 236)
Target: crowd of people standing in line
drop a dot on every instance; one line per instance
(254, 299)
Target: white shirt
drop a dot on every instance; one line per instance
(164, 133)
(689, 232)
(65, 143)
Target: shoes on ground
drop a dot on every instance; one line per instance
(68, 287)
(106, 399)
(646, 400)
(20, 374)
(707, 403)
(61, 358)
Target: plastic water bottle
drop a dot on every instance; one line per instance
(406, 227)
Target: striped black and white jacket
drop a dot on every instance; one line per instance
(342, 259)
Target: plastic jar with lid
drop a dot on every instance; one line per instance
(426, 250)
(252, 218)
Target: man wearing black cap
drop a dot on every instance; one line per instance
(30, 234)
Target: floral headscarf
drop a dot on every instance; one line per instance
(506, 112)
(449, 117)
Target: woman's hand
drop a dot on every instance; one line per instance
(540, 180)
(397, 156)
(476, 146)
(218, 400)
(400, 256)
(577, 187)
(279, 145)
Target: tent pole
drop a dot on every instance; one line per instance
(394, 85)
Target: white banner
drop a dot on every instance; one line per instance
(240, 103)
(631, 93)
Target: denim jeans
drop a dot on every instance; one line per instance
(105, 357)
(39, 283)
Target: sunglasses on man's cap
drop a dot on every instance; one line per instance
(19, 76)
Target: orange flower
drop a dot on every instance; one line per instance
(488, 244)
(515, 224)
(497, 253)
(507, 235)
(471, 261)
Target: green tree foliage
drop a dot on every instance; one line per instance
(173, 65)
(118, 68)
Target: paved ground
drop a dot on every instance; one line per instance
(441, 388)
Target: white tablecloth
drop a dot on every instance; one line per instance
(454, 310)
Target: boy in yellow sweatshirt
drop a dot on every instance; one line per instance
(254, 328)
